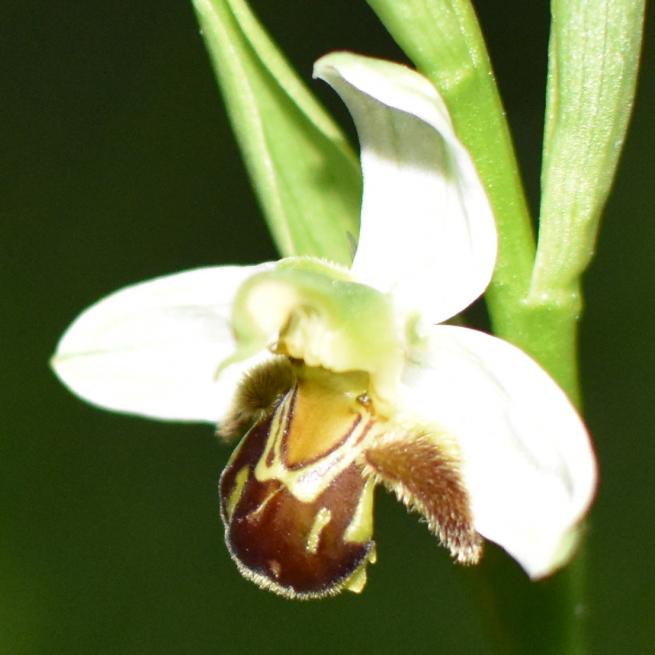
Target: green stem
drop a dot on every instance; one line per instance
(593, 63)
(546, 327)
(443, 39)
(535, 618)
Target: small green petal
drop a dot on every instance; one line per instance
(304, 172)
(311, 311)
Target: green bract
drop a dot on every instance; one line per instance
(592, 72)
(305, 174)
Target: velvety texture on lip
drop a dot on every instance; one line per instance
(268, 530)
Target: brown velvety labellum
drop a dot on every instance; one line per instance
(294, 548)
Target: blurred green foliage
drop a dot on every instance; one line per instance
(118, 165)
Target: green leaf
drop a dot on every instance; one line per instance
(593, 62)
(305, 174)
(443, 39)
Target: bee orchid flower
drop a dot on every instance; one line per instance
(338, 380)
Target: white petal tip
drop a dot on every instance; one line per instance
(424, 207)
(544, 564)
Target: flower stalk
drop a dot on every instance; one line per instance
(535, 299)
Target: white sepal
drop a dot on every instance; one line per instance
(427, 232)
(154, 348)
(527, 461)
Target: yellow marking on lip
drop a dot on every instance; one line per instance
(239, 483)
(357, 581)
(323, 517)
(253, 516)
(323, 413)
(316, 432)
(360, 527)
(275, 435)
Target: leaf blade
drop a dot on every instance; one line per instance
(304, 172)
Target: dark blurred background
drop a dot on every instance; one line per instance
(118, 165)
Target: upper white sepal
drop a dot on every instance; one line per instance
(427, 232)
